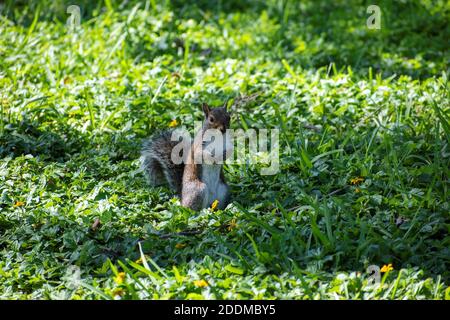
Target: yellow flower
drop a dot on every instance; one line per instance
(120, 277)
(180, 245)
(200, 283)
(357, 180)
(214, 205)
(387, 268)
(18, 204)
(232, 225)
(173, 123)
(357, 190)
(139, 261)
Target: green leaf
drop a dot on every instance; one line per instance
(235, 270)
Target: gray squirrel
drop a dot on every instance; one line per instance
(199, 183)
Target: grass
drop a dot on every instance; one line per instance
(364, 131)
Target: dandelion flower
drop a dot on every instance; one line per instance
(173, 123)
(214, 204)
(120, 277)
(357, 180)
(19, 204)
(232, 225)
(387, 268)
(200, 283)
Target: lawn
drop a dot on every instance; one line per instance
(363, 118)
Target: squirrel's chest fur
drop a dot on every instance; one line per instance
(210, 176)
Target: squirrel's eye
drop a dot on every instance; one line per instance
(211, 119)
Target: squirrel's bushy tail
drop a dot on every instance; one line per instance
(157, 164)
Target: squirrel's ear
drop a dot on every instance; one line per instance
(205, 108)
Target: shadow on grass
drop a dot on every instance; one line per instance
(28, 137)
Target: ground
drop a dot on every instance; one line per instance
(364, 159)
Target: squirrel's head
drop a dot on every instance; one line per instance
(217, 142)
(216, 118)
